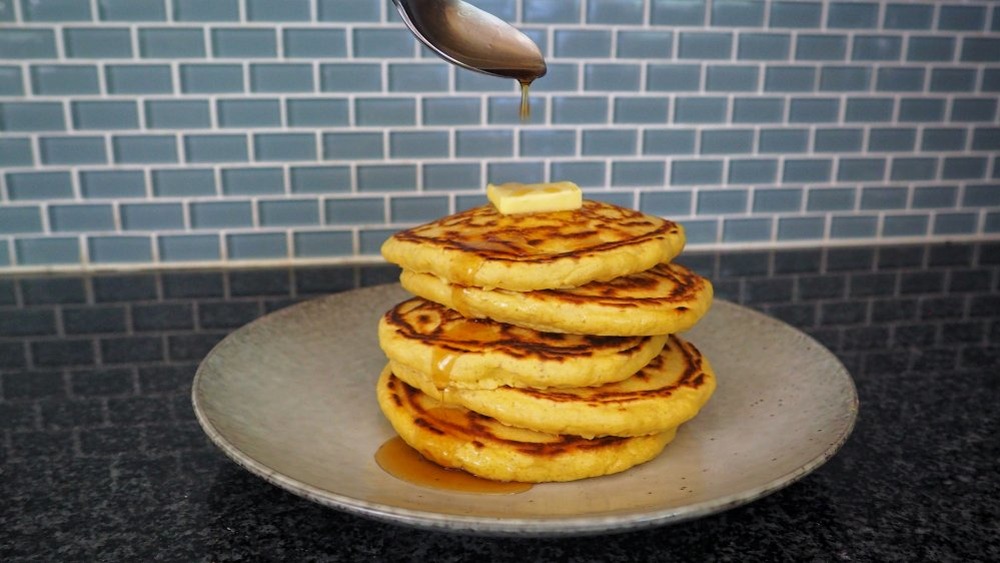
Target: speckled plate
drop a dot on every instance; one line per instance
(291, 397)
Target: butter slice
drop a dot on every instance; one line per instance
(513, 197)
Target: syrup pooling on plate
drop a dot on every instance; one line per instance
(398, 459)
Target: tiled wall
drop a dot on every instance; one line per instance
(197, 131)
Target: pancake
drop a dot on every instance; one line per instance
(667, 392)
(457, 352)
(456, 437)
(665, 299)
(523, 252)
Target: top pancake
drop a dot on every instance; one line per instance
(481, 247)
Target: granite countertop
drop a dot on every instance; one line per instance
(101, 458)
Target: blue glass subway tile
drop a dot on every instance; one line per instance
(666, 203)
(189, 248)
(753, 171)
(15, 152)
(844, 78)
(992, 223)
(579, 109)
(758, 110)
(838, 140)
(81, 218)
(451, 176)
(612, 142)
(370, 240)
(668, 141)
(860, 169)
(695, 172)
(638, 173)
(544, 11)
(314, 43)
(930, 49)
(701, 231)
(724, 78)
(506, 110)
(239, 112)
(973, 109)
(617, 77)
(211, 78)
(284, 146)
(727, 141)
(789, 79)
(900, 79)
(215, 148)
(932, 197)
(317, 244)
(252, 181)
(11, 83)
(953, 80)
(97, 42)
(776, 200)
(623, 12)
(288, 212)
(813, 110)
(904, 225)
(348, 10)
(278, 10)
(619, 198)
(418, 144)
(256, 246)
(484, 142)
(451, 110)
(847, 226)
(852, 15)
(352, 146)
(468, 81)
(986, 139)
(18, 44)
(700, 110)
(55, 11)
(152, 216)
(961, 18)
(171, 42)
(583, 173)
(807, 170)
(139, 79)
(908, 16)
(955, 223)
(991, 80)
(21, 219)
(104, 114)
(673, 78)
(763, 46)
(315, 112)
(526, 172)
(31, 116)
(239, 43)
(877, 48)
(417, 209)
(873, 110)
(704, 45)
(139, 149)
(64, 79)
(800, 228)
(921, 109)
(390, 111)
(112, 184)
(358, 211)
(830, 199)
(980, 49)
(645, 110)
(561, 77)
(199, 10)
(713, 202)
(964, 168)
(131, 10)
(392, 177)
(409, 77)
(893, 197)
(812, 47)
(72, 150)
(183, 182)
(350, 77)
(383, 43)
(886, 139)
(548, 142)
(7, 10)
(582, 43)
(320, 179)
(220, 214)
(677, 12)
(178, 114)
(644, 44)
(281, 78)
(987, 195)
(795, 14)
(49, 250)
(737, 13)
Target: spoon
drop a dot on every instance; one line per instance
(472, 38)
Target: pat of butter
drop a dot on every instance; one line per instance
(513, 198)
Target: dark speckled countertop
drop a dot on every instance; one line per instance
(101, 458)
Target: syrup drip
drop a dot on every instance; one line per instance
(525, 105)
(401, 461)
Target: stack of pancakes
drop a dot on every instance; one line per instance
(543, 346)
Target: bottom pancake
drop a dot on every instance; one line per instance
(453, 436)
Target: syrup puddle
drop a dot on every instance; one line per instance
(401, 461)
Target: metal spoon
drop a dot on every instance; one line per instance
(472, 38)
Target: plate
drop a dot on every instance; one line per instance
(291, 397)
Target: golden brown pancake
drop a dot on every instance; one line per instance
(483, 248)
(457, 352)
(453, 436)
(664, 394)
(665, 299)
